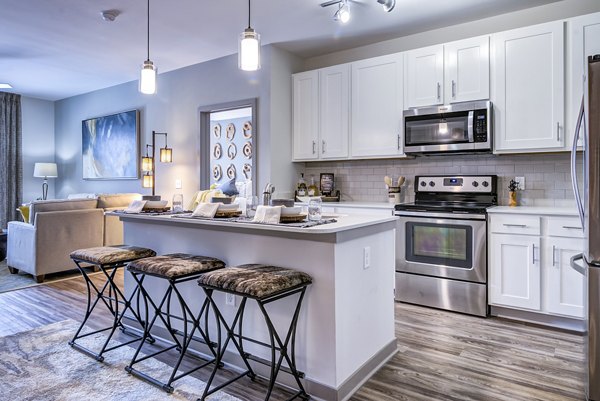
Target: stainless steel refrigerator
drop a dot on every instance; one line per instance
(588, 203)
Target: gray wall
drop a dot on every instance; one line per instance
(531, 16)
(38, 144)
(547, 176)
(175, 110)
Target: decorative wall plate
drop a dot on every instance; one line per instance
(247, 170)
(247, 129)
(247, 150)
(230, 131)
(231, 173)
(217, 172)
(231, 151)
(217, 130)
(217, 151)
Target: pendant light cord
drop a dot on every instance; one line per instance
(148, 32)
(248, 14)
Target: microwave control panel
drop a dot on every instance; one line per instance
(480, 124)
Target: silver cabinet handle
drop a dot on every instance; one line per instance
(571, 227)
(314, 147)
(323, 148)
(553, 255)
(439, 91)
(398, 141)
(557, 131)
(533, 254)
(515, 225)
(453, 89)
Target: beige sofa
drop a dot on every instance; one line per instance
(58, 227)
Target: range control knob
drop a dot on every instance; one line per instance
(423, 183)
(485, 184)
(431, 184)
(475, 184)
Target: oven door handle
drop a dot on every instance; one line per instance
(426, 214)
(470, 127)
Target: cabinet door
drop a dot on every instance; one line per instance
(306, 115)
(467, 70)
(563, 286)
(424, 79)
(334, 87)
(376, 129)
(584, 41)
(528, 88)
(514, 266)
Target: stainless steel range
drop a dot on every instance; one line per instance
(441, 250)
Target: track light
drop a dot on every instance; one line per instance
(343, 13)
(388, 5)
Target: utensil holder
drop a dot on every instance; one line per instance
(394, 195)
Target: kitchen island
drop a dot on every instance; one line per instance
(346, 326)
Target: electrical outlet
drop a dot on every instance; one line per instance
(230, 299)
(521, 181)
(178, 184)
(366, 257)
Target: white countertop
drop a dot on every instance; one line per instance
(357, 204)
(343, 225)
(537, 210)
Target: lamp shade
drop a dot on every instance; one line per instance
(147, 181)
(45, 170)
(166, 155)
(147, 162)
(249, 50)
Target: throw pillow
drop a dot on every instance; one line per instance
(24, 210)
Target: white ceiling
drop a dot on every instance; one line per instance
(53, 49)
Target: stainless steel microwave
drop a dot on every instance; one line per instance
(461, 127)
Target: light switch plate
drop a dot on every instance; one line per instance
(178, 184)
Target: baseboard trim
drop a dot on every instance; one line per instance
(317, 390)
(539, 319)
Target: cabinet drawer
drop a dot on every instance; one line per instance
(565, 227)
(515, 224)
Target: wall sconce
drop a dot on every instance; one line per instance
(148, 165)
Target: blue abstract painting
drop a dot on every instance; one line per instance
(110, 147)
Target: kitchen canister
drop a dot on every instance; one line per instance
(394, 195)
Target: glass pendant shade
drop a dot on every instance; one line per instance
(148, 78)
(147, 163)
(147, 181)
(249, 50)
(166, 155)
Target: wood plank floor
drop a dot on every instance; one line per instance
(442, 355)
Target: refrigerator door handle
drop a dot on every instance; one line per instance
(579, 269)
(574, 182)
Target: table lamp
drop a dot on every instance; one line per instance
(45, 171)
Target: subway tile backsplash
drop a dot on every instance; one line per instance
(547, 176)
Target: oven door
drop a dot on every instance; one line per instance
(442, 245)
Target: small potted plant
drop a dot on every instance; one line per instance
(512, 193)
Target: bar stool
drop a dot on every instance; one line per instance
(264, 284)
(175, 269)
(107, 259)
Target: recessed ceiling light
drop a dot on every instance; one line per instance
(5, 86)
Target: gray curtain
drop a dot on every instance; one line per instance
(11, 166)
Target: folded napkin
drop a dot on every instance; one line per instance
(268, 214)
(206, 210)
(136, 206)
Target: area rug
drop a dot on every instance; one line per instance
(40, 365)
(9, 282)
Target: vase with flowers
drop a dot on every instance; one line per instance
(512, 193)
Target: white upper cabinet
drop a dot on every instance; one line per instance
(377, 100)
(467, 70)
(528, 88)
(424, 80)
(334, 88)
(305, 124)
(584, 40)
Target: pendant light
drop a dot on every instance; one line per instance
(249, 48)
(149, 71)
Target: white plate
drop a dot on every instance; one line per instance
(156, 204)
(288, 211)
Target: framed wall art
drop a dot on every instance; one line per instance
(110, 146)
